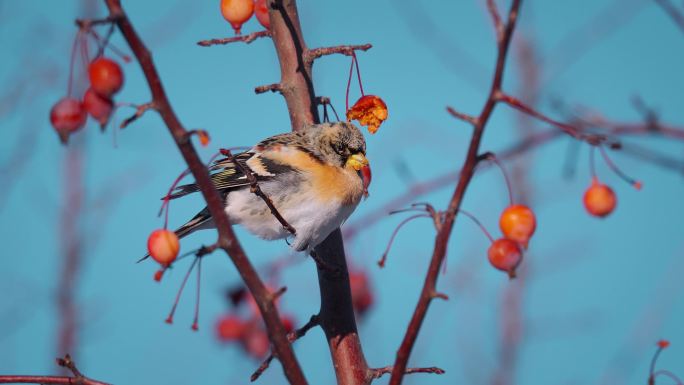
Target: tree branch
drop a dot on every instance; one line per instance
(379, 372)
(77, 377)
(336, 315)
(467, 171)
(226, 237)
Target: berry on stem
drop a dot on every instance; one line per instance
(599, 199)
(67, 116)
(261, 12)
(100, 108)
(517, 222)
(106, 76)
(163, 246)
(237, 12)
(505, 255)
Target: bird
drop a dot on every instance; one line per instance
(315, 177)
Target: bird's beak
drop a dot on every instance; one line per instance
(357, 161)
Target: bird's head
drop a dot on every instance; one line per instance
(340, 143)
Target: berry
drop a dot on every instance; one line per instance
(599, 199)
(237, 12)
(366, 176)
(505, 255)
(517, 222)
(106, 76)
(163, 246)
(67, 116)
(663, 344)
(261, 12)
(370, 111)
(362, 296)
(229, 328)
(100, 108)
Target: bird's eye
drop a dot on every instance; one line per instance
(338, 148)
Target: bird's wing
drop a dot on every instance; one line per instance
(226, 176)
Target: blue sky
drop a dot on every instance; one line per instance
(596, 294)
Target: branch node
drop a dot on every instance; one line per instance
(275, 87)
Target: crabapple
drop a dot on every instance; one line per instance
(261, 12)
(163, 246)
(517, 222)
(505, 255)
(99, 107)
(599, 199)
(237, 12)
(67, 116)
(106, 76)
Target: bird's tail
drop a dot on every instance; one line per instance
(198, 222)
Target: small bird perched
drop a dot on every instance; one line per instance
(314, 177)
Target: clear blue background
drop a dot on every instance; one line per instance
(596, 294)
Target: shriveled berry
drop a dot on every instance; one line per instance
(599, 199)
(163, 246)
(237, 12)
(67, 116)
(106, 76)
(261, 12)
(99, 107)
(518, 222)
(505, 255)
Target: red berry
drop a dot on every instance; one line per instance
(663, 344)
(505, 255)
(362, 296)
(517, 222)
(261, 12)
(230, 328)
(100, 108)
(237, 12)
(67, 116)
(366, 176)
(599, 199)
(163, 246)
(106, 76)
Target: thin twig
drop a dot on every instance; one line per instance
(347, 50)
(254, 187)
(379, 372)
(275, 87)
(77, 377)
(242, 38)
(292, 337)
(139, 112)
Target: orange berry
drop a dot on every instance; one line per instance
(237, 12)
(163, 246)
(517, 222)
(261, 12)
(106, 76)
(67, 116)
(599, 199)
(230, 328)
(505, 255)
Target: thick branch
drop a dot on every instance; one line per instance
(227, 238)
(336, 314)
(227, 40)
(77, 377)
(467, 171)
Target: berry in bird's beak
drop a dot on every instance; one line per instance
(366, 176)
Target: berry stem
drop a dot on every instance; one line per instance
(358, 72)
(169, 319)
(496, 161)
(195, 322)
(351, 71)
(478, 223)
(592, 163)
(635, 183)
(401, 224)
(72, 62)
